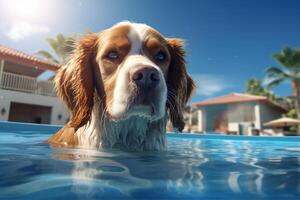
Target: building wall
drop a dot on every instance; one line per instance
(231, 114)
(269, 113)
(241, 117)
(241, 112)
(58, 108)
(213, 114)
(201, 120)
(248, 114)
(257, 111)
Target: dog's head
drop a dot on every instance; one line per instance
(132, 69)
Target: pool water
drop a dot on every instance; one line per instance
(193, 167)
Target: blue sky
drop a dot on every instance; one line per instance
(227, 41)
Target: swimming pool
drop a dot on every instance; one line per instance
(194, 167)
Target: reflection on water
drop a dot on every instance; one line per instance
(189, 169)
(94, 172)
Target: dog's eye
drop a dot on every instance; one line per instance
(160, 56)
(113, 55)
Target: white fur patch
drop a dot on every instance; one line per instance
(136, 133)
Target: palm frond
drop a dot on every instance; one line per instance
(60, 38)
(274, 76)
(68, 47)
(47, 55)
(53, 44)
(288, 58)
(274, 72)
(62, 46)
(274, 82)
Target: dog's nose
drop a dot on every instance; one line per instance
(145, 77)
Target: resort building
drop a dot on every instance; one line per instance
(239, 114)
(23, 97)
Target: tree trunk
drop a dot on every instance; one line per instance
(297, 99)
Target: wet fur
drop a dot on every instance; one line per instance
(88, 96)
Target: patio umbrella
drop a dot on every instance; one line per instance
(283, 122)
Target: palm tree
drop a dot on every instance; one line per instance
(62, 47)
(255, 87)
(289, 71)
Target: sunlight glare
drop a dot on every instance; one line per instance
(25, 9)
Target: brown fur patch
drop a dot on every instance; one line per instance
(74, 82)
(77, 80)
(113, 40)
(153, 44)
(75, 85)
(180, 84)
(64, 137)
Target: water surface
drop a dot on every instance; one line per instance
(191, 168)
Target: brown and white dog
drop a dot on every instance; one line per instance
(120, 86)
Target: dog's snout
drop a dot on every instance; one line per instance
(145, 77)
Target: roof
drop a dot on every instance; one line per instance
(236, 98)
(15, 56)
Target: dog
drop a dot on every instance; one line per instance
(121, 85)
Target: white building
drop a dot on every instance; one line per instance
(236, 113)
(24, 98)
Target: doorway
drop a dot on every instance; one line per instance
(20, 112)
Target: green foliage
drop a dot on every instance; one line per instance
(289, 59)
(61, 45)
(255, 87)
(292, 114)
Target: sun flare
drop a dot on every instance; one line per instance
(25, 9)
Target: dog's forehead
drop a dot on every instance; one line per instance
(132, 30)
(136, 33)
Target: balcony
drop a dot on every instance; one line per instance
(16, 82)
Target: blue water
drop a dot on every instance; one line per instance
(204, 167)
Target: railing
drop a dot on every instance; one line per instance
(26, 84)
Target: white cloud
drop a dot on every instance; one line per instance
(208, 84)
(22, 30)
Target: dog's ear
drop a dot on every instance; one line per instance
(75, 82)
(180, 85)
